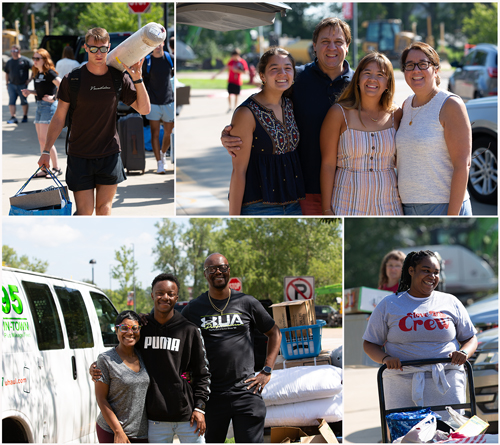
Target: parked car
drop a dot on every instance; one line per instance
(476, 76)
(483, 175)
(485, 368)
(329, 314)
(484, 313)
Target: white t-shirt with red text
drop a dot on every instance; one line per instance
(419, 328)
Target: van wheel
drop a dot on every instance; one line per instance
(13, 432)
(483, 174)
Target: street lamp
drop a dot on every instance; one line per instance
(92, 262)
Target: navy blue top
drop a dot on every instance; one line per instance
(313, 95)
(274, 175)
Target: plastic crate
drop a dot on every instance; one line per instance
(301, 341)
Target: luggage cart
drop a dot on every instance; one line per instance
(384, 412)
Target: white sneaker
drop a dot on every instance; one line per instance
(160, 170)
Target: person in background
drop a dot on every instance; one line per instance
(67, 63)
(236, 66)
(47, 82)
(17, 77)
(390, 271)
(157, 71)
(122, 387)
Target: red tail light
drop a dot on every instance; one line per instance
(492, 72)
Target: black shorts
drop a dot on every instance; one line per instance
(85, 174)
(232, 88)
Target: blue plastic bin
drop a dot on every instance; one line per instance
(301, 341)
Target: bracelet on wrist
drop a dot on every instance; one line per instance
(135, 82)
(464, 352)
(382, 361)
(45, 152)
(200, 411)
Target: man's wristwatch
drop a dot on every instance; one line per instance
(464, 352)
(267, 370)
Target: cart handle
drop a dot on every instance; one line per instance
(427, 361)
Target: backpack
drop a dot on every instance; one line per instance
(74, 78)
(148, 61)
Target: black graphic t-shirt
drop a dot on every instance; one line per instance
(228, 337)
(44, 84)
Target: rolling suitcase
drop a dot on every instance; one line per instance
(131, 133)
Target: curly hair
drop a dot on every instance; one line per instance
(131, 315)
(166, 277)
(412, 260)
(48, 64)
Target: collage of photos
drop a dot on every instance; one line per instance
(300, 232)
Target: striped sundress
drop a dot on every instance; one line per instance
(365, 180)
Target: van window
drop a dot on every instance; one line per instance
(76, 317)
(44, 312)
(107, 314)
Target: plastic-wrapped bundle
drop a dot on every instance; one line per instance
(305, 413)
(401, 423)
(137, 46)
(302, 383)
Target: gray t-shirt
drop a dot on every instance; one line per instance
(127, 394)
(419, 328)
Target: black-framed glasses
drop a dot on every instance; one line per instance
(125, 328)
(410, 66)
(94, 49)
(212, 269)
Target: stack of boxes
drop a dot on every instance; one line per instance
(300, 335)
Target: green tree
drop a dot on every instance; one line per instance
(262, 251)
(481, 26)
(124, 273)
(199, 242)
(115, 17)
(168, 252)
(11, 259)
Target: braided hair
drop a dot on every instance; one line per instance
(412, 260)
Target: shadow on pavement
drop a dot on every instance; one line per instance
(372, 435)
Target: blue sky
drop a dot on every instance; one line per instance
(68, 244)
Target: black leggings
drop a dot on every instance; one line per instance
(248, 412)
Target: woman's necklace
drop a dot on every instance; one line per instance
(374, 120)
(215, 307)
(420, 108)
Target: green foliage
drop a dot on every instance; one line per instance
(215, 84)
(115, 17)
(11, 259)
(261, 251)
(143, 300)
(367, 240)
(482, 24)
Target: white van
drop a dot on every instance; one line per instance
(53, 329)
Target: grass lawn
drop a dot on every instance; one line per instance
(209, 84)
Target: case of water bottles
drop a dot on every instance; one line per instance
(301, 341)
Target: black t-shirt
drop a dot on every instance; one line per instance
(93, 130)
(229, 338)
(157, 81)
(18, 70)
(44, 84)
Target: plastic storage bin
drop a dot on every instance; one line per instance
(301, 341)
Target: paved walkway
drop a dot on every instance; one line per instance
(149, 194)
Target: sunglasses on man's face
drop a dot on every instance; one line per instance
(94, 49)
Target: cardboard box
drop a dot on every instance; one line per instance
(294, 313)
(182, 95)
(324, 358)
(38, 199)
(362, 299)
(289, 434)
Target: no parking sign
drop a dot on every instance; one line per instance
(299, 288)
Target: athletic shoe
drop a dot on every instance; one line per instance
(12, 120)
(25, 119)
(160, 170)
